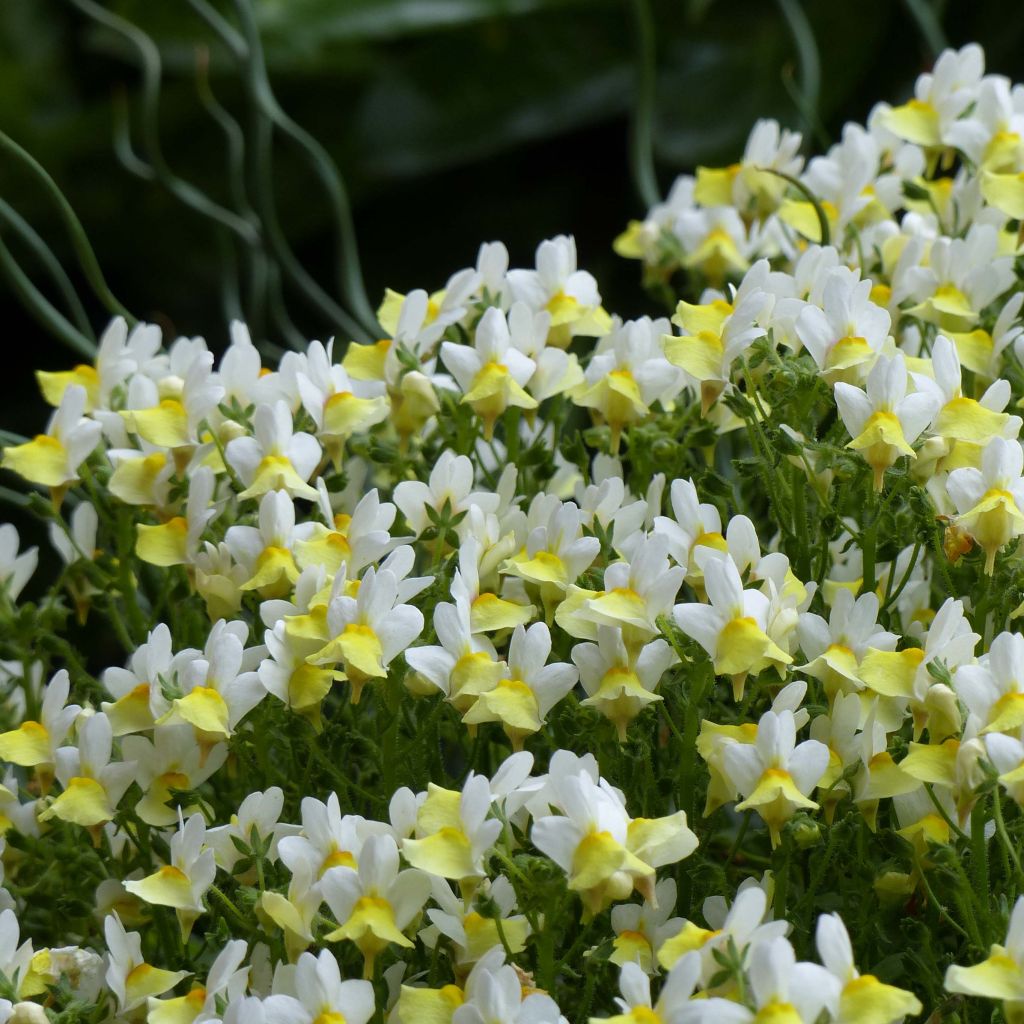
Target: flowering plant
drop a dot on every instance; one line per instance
(528, 665)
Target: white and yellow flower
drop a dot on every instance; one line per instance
(375, 904)
(275, 458)
(54, 457)
(92, 784)
(774, 773)
(184, 881)
(733, 627)
(492, 372)
(620, 685)
(863, 998)
(133, 981)
(990, 501)
(627, 375)
(884, 420)
(368, 631)
(522, 700)
(1001, 975)
(34, 744)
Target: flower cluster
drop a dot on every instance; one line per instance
(531, 662)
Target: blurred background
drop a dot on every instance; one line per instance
(451, 122)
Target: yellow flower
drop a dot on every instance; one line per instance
(990, 500)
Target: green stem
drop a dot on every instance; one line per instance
(41, 308)
(979, 857)
(943, 912)
(641, 148)
(227, 903)
(79, 239)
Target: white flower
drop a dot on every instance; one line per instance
(849, 329)
(376, 903)
(990, 501)
(568, 294)
(339, 406)
(451, 481)
(317, 993)
(628, 374)
(226, 981)
(218, 686)
(884, 420)
(522, 700)
(733, 627)
(93, 784)
(492, 372)
(774, 774)
(15, 570)
(183, 882)
(454, 831)
(53, 458)
(78, 542)
(172, 760)
(275, 458)
(619, 685)
(256, 823)
(368, 631)
(496, 997)
(128, 976)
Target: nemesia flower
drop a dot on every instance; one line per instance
(218, 689)
(470, 933)
(129, 977)
(177, 541)
(53, 458)
(451, 481)
(339, 406)
(743, 924)
(940, 97)
(636, 593)
(172, 760)
(640, 928)
(627, 375)
(568, 294)
(732, 628)
(775, 774)
(265, 550)
(93, 784)
(1001, 975)
(715, 336)
(15, 570)
(497, 997)
(320, 994)
(275, 458)
(492, 372)
(605, 853)
(464, 664)
(376, 903)
(845, 334)
(453, 831)
(989, 500)
(369, 630)
(863, 996)
(522, 700)
(673, 1000)
(35, 744)
(172, 419)
(183, 883)
(884, 419)
(225, 981)
(618, 685)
